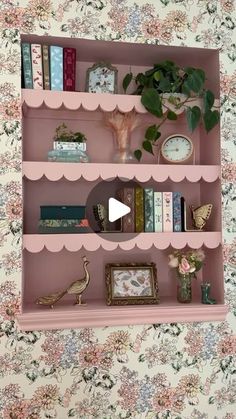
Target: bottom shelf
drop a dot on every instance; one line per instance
(98, 314)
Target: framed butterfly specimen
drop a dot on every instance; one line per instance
(199, 215)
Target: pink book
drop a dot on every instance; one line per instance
(37, 67)
(69, 64)
(167, 212)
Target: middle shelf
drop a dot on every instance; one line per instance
(35, 243)
(33, 170)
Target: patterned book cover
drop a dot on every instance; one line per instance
(167, 212)
(64, 223)
(56, 67)
(66, 145)
(177, 216)
(63, 230)
(69, 68)
(46, 73)
(66, 212)
(126, 196)
(158, 212)
(139, 210)
(37, 67)
(27, 65)
(149, 209)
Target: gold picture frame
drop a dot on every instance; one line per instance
(131, 283)
(101, 78)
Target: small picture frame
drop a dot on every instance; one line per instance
(132, 283)
(101, 78)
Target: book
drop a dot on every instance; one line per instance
(37, 67)
(167, 211)
(126, 195)
(57, 212)
(64, 223)
(139, 210)
(56, 67)
(46, 73)
(69, 68)
(148, 210)
(158, 211)
(66, 145)
(63, 230)
(27, 65)
(177, 216)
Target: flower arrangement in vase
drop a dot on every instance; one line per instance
(186, 265)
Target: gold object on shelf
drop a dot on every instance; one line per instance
(77, 288)
(200, 215)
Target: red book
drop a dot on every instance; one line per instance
(126, 196)
(69, 66)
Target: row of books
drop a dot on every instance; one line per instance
(63, 219)
(48, 67)
(151, 211)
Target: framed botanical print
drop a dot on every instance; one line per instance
(101, 78)
(134, 283)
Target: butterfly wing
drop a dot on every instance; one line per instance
(201, 215)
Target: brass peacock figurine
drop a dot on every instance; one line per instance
(76, 287)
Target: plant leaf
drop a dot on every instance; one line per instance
(152, 102)
(211, 118)
(195, 80)
(193, 117)
(171, 115)
(208, 100)
(151, 133)
(138, 154)
(126, 81)
(141, 79)
(147, 146)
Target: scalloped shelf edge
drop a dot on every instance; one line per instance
(47, 319)
(93, 171)
(35, 243)
(92, 101)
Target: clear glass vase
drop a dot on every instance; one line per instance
(184, 288)
(123, 152)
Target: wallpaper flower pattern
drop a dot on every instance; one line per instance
(161, 371)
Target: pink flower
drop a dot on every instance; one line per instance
(173, 261)
(184, 266)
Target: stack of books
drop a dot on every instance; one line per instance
(151, 211)
(63, 219)
(67, 151)
(48, 67)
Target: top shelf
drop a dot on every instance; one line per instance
(38, 99)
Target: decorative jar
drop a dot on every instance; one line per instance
(184, 288)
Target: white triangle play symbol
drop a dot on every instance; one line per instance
(116, 210)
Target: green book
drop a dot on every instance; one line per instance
(149, 209)
(139, 210)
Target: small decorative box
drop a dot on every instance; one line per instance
(50, 212)
(68, 156)
(68, 145)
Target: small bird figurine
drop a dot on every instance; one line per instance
(76, 287)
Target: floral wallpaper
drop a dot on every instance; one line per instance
(160, 371)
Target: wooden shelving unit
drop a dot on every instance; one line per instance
(51, 262)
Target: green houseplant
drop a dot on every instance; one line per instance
(182, 85)
(63, 134)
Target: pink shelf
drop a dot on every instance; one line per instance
(96, 314)
(92, 101)
(92, 171)
(34, 243)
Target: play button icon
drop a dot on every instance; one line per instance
(116, 209)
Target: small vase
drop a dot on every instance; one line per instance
(184, 288)
(123, 153)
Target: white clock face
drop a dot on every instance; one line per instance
(177, 148)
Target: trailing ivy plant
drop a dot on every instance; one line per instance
(167, 77)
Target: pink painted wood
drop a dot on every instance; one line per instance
(143, 173)
(97, 314)
(73, 242)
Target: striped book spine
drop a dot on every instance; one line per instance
(177, 216)
(167, 212)
(56, 67)
(139, 210)
(46, 73)
(37, 67)
(69, 68)
(27, 65)
(149, 209)
(158, 211)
